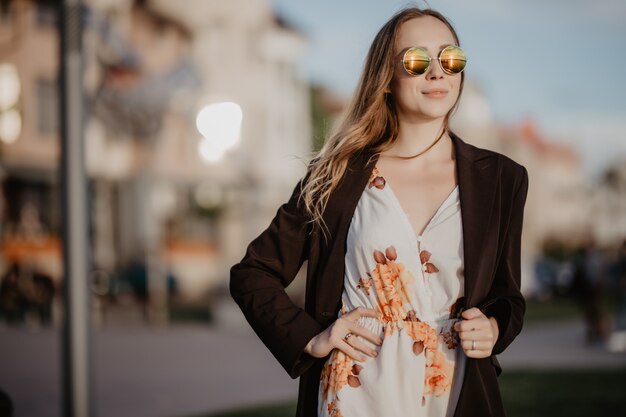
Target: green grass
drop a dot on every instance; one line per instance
(579, 393)
(557, 309)
(287, 409)
(572, 393)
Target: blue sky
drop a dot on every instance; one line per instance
(559, 62)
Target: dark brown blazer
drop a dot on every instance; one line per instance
(492, 192)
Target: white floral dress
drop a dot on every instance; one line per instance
(416, 283)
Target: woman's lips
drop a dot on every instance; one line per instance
(435, 93)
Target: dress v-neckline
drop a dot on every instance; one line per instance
(405, 216)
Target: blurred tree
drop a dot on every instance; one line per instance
(326, 107)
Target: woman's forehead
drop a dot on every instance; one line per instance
(427, 32)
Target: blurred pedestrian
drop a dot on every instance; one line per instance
(617, 338)
(13, 301)
(410, 292)
(26, 292)
(588, 289)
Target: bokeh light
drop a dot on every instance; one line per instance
(220, 124)
(9, 86)
(10, 126)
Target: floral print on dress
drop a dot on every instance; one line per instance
(382, 278)
(365, 284)
(376, 180)
(338, 372)
(333, 408)
(391, 281)
(424, 336)
(427, 266)
(451, 338)
(438, 373)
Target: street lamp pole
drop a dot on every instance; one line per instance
(76, 357)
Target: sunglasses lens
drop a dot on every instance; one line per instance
(416, 61)
(453, 59)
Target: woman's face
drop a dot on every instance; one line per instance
(432, 94)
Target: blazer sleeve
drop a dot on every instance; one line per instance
(505, 301)
(258, 281)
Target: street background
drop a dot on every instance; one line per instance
(200, 117)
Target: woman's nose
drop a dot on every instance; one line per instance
(434, 70)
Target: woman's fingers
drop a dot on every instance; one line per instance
(475, 329)
(359, 312)
(475, 333)
(358, 329)
(475, 349)
(351, 351)
(360, 344)
(365, 333)
(483, 334)
(334, 337)
(356, 347)
(472, 324)
(472, 313)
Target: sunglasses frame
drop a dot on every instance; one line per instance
(403, 60)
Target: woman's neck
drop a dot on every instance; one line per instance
(415, 137)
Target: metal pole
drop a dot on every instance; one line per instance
(76, 357)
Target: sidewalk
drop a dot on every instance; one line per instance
(557, 345)
(185, 370)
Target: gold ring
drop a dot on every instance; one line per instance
(347, 336)
(473, 344)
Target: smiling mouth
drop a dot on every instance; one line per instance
(435, 93)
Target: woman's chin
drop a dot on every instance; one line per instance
(431, 112)
(426, 116)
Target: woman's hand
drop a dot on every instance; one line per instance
(478, 333)
(333, 337)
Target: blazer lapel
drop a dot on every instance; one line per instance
(338, 216)
(477, 176)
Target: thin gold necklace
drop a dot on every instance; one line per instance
(422, 152)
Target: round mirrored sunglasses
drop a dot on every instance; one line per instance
(451, 58)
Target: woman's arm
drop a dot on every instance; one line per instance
(258, 282)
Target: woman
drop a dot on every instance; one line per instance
(412, 291)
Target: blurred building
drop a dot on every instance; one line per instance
(561, 194)
(608, 207)
(557, 206)
(158, 189)
(29, 151)
(563, 207)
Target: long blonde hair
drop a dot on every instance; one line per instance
(370, 120)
